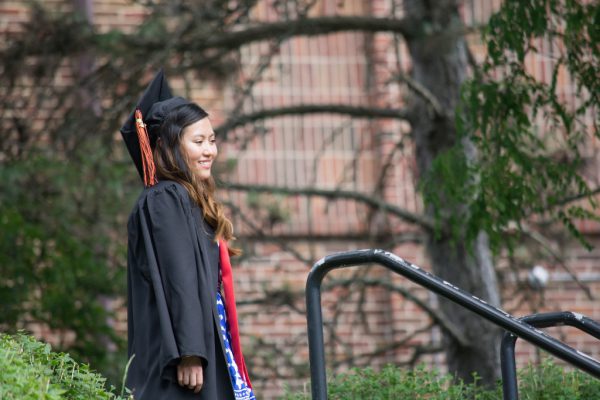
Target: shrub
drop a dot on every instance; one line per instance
(552, 382)
(541, 382)
(30, 370)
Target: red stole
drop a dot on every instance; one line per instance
(227, 276)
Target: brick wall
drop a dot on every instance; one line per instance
(331, 152)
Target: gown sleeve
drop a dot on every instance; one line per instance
(172, 234)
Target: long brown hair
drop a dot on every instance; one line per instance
(171, 164)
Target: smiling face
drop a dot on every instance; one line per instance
(199, 147)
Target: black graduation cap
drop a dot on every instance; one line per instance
(155, 104)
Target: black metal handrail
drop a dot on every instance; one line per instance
(543, 320)
(431, 282)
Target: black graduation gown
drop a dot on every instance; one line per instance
(172, 280)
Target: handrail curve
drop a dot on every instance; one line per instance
(431, 282)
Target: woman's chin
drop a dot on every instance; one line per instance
(203, 175)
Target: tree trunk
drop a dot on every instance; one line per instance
(439, 64)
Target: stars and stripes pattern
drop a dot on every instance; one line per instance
(240, 388)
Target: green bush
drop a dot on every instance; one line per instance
(542, 382)
(552, 382)
(30, 370)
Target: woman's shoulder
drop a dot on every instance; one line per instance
(166, 186)
(163, 204)
(167, 191)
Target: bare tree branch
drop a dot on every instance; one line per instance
(406, 215)
(418, 351)
(387, 164)
(259, 233)
(435, 315)
(381, 350)
(425, 94)
(580, 196)
(300, 27)
(328, 140)
(302, 109)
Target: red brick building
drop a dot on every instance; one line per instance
(334, 152)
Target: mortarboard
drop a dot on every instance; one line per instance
(140, 136)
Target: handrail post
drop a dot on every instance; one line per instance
(316, 348)
(508, 366)
(314, 315)
(510, 388)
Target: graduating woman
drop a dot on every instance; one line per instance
(182, 325)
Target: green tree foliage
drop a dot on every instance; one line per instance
(61, 266)
(529, 136)
(62, 213)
